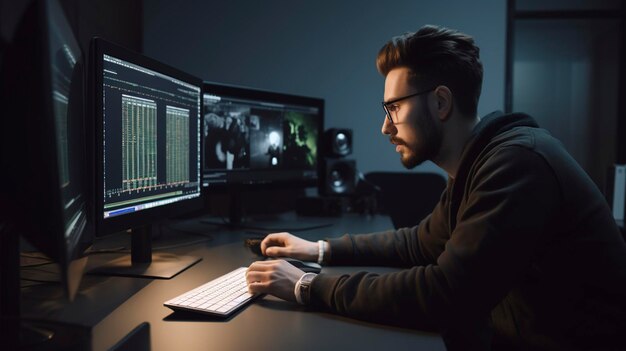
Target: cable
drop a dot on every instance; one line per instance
(25, 286)
(38, 282)
(35, 265)
(42, 281)
(37, 256)
(107, 251)
(376, 187)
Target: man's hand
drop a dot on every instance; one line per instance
(287, 245)
(275, 277)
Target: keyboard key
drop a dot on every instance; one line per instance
(221, 296)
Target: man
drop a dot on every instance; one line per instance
(521, 252)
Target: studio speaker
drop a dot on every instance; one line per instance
(337, 142)
(338, 177)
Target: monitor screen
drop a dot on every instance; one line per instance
(254, 137)
(147, 139)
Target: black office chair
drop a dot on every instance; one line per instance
(407, 197)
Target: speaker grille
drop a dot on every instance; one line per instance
(338, 142)
(338, 177)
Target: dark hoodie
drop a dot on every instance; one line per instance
(521, 252)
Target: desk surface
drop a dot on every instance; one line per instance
(113, 306)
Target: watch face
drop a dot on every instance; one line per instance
(305, 284)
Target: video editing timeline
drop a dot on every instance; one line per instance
(151, 138)
(177, 145)
(244, 134)
(139, 144)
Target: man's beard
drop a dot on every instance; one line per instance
(428, 141)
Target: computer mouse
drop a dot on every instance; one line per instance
(254, 244)
(305, 266)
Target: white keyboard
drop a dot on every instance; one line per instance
(219, 297)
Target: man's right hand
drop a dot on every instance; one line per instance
(288, 245)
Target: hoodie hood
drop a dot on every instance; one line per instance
(486, 131)
(490, 126)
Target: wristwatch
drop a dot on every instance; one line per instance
(304, 288)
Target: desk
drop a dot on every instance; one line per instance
(113, 306)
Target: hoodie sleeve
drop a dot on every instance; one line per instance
(405, 247)
(507, 205)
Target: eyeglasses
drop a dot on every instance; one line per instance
(389, 106)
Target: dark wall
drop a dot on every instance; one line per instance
(120, 21)
(320, 48)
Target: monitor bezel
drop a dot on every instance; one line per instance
(245, 92)
(98, 48)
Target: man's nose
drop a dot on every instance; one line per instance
(387, 127)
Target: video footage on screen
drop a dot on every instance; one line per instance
(242, 135)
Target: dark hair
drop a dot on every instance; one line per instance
(437, 56)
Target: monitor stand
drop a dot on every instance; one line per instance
(28, 333)
(9, 286)
(143, 263)
(235, 210)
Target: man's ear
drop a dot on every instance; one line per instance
(444, 102)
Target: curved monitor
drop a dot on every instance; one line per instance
(147, 141)
(42, 148)
(258, 138)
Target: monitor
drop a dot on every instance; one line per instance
(44, 179)
(147, 152)
(259, 139)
